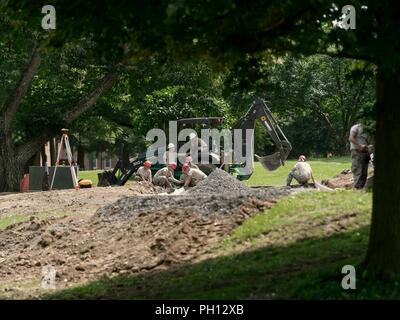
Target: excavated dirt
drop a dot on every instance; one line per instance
(68, 201)
(345, 180)
(122, 230)
(86, 249)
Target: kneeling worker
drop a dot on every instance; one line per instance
(165, 176)
(191, 176)
(301, 172)
(144, 172)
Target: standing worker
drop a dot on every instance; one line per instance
(301, 172)
(360, 155)
(165, 176)
(144, 172)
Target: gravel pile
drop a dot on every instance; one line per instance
(220, 193)
(202, 204)
(219, 181)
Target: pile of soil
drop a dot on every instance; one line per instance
(136, 232)
(345, 180)
(83, 201)
(82, 249)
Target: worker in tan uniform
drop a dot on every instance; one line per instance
(165, 176)
(144, 172)
(301, 172)
(191, 176)
(189, 161)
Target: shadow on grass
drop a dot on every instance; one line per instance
(309, 269)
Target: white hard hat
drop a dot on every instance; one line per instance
(170, 145)
(192, 135)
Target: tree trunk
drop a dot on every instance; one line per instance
(81, 157)
(53, 152)
(11, 170)
(383, 256)
(43, 155)
(13, 159)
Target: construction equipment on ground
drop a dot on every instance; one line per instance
(258, 111)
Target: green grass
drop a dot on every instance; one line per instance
(307, 268)
(322, 169)
(294, 210)
(90, 174)
(13, 219)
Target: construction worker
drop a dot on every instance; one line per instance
(144, 172)
(189, 161)
(301, 172)
(191, 176)
(165, 176)
(360, 155)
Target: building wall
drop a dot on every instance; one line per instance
(100, 162)
(92, 161)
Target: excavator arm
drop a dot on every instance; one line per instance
(260, 111)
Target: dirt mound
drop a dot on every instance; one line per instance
(200, 204)
(136, 233)
(345, 180)
(86, 249)
(220, 193)
(83, 201)
(219, 181)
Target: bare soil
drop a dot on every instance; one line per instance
(345, 180)
(103, 232)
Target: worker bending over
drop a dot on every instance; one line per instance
(144, 172)
(191, 176)
(301, 172)
(165, 176)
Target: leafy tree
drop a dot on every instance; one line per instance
(317, 99)
(227, 31)
(51, 91)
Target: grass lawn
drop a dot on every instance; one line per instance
(295, 250)
(323, 168)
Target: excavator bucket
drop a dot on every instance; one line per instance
(270, 162)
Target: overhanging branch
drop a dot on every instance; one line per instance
(18, 93)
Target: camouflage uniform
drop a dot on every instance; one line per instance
(195, 175)
(143, 174)
(165, 178)
(359, 168)
(359, 158)
(301, 172)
